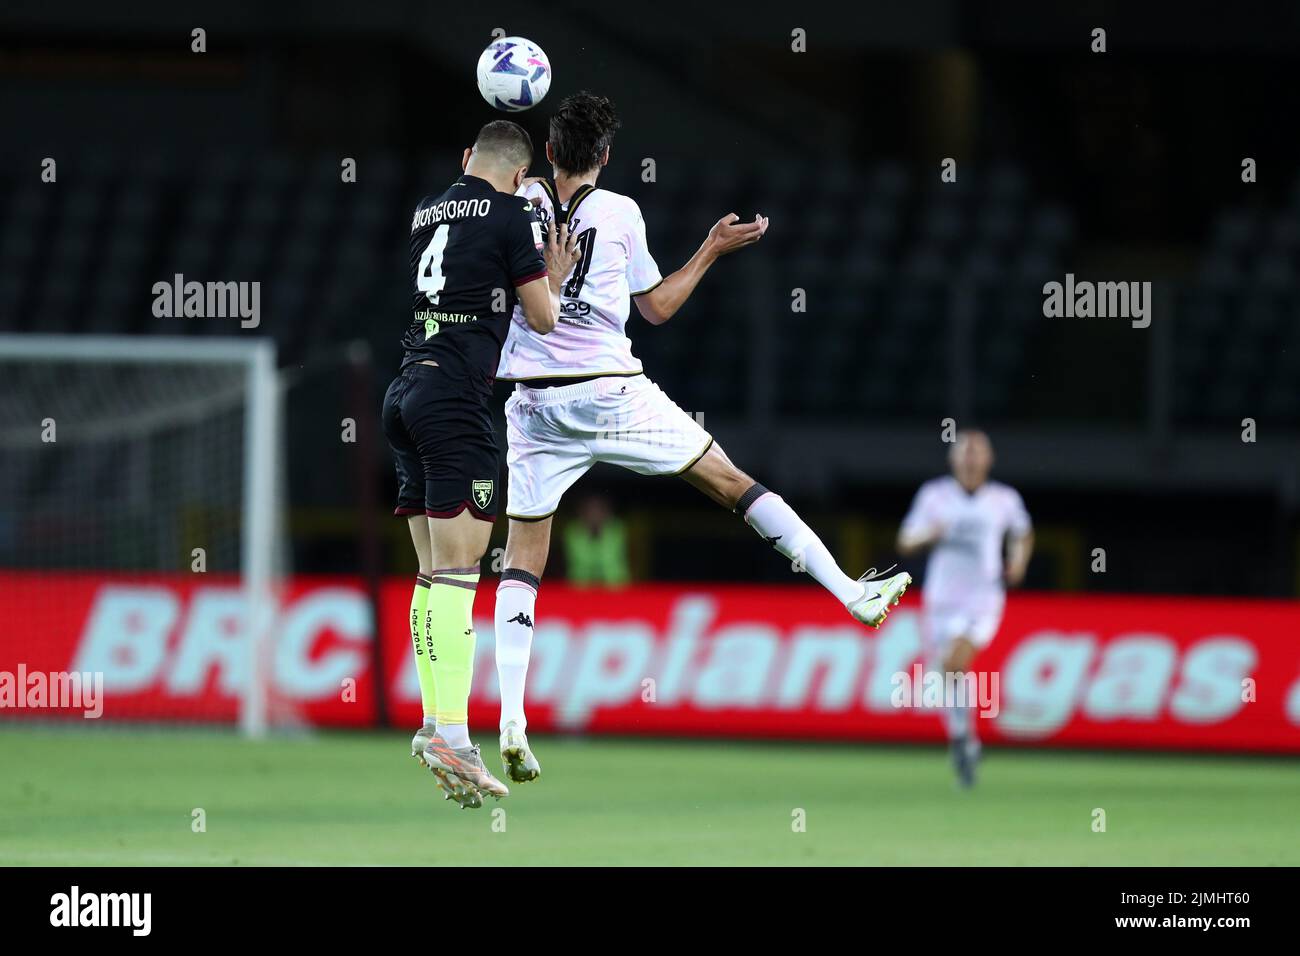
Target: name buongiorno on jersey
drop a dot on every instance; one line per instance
(449, 209)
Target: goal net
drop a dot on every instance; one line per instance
(140, 529)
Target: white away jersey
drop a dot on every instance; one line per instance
(965, 566)
(615, 263)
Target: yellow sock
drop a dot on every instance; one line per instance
(422, 647)
(449, 618)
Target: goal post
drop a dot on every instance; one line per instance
(259, 525)
(115, 449)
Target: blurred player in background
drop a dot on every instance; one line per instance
(980, 539)
(469, 246)
(582, 397)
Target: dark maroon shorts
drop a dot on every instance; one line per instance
(444, 445)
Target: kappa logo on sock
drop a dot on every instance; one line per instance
(773, 541)
(522, 618)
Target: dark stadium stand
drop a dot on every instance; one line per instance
(879, 258)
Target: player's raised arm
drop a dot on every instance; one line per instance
(540, 309)
(540, 299)
(658, 304)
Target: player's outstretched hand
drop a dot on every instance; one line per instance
(561, 252)
(729, 234)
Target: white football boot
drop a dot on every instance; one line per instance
(521, 766)
(878, 596)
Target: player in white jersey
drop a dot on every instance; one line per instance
(582, 397)
(980, 539)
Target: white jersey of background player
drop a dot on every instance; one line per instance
(582, 398)
(980, 539)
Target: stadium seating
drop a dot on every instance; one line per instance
(881, 258)
(1238, 335)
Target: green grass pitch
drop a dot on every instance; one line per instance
(122, 797)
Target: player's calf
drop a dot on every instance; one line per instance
(965, 760)
(868, 598)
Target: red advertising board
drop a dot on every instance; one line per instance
(771, 661)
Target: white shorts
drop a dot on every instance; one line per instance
(977, 621)
(556, 434)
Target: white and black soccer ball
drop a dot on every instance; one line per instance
(513, 74)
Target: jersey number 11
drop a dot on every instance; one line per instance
(584, 242)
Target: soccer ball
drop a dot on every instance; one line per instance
(513, 74)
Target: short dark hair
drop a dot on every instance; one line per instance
(581, 129)
(508, 142)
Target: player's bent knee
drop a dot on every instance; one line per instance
(719, 478)
(460, 541)
(452, 558)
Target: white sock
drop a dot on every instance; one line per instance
(456, 735)
(513, 617)
(776, 521)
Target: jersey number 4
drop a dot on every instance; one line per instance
(429, 278)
